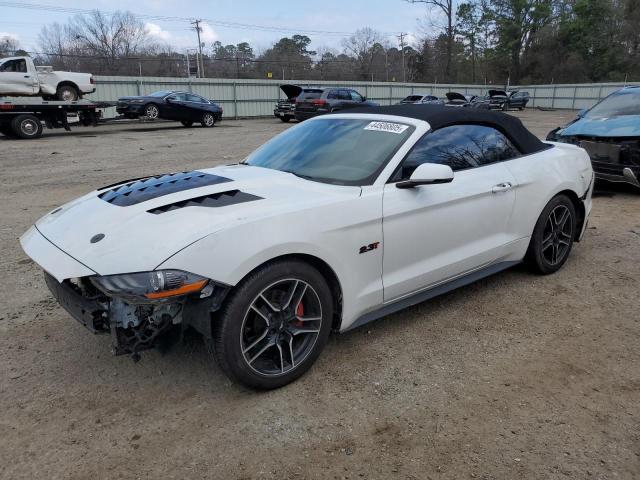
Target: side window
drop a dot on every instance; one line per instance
(195, 98)
(333, 95)
(14, 66)
(460, 147)
(179, 97)
(344, 95)
(355, 96)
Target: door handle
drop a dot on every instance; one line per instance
(502, 187)
(27, 76)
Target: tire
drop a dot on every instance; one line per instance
(187, 124)
(208, 120)
(265, 355)
(521, 108)
(285, 119)
(552, 237)
(67, 93)
(27, 126)
(151, 111)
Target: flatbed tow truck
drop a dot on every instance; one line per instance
(24, 117)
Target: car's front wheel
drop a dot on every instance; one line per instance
(274, 326)
(208, 120)
(187, 123)
(553, 236)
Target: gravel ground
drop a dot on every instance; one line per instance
(515, 376)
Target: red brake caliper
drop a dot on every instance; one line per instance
(299, 314)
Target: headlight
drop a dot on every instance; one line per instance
(145, 286)
(136, 101)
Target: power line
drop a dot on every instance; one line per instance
(219, 23)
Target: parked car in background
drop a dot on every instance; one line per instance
(21, 78)
(479, 101)
(330, 100)
(502, 100)
(422, 99)
(456, 99)
(333, 223)
(285, 109)
(610, 133)
(184, 107)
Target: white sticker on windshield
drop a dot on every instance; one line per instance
(386, 127)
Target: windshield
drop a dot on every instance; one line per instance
(340, 151)
(625, 102)
(309, 94)
(161, 93)
(413, 98)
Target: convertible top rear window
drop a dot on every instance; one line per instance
(333, 150)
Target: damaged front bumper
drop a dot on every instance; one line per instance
(134, 327)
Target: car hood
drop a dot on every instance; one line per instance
(455, 96)
(622, 126)
(497, 93)
(130, 227)
(291, 91)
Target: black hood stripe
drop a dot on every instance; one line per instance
(145, 189)
(220, 199)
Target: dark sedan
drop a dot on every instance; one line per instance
(329, 100)
(184, 107)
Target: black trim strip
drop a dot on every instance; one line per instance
(424, 295)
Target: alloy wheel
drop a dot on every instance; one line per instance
(151, 111)
(280, 327)
(208, 120)
(557, 235)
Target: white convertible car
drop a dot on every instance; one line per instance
(333, 223)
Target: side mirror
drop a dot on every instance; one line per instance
(582, 113)
(168, 99)
(364, 99)
(428, 174)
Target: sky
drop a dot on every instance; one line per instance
(315, 19)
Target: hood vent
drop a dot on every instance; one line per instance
(221, 199)
(144, 189)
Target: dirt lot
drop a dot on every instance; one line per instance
(516, 376)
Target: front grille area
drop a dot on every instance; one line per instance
(141, 190)
(216, 200)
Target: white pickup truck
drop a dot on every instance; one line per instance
(20, 77)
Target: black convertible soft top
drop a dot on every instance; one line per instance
(439, 116)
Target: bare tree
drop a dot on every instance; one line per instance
(360, 45)
(8, 45)
(447, 8)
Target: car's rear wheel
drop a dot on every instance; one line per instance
(208, 120)
(67, 93)
(27, 126)
(187, 123)
(151, 111)
(285, 119)
(274, 326)
(553, 236)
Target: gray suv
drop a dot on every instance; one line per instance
(330, 100)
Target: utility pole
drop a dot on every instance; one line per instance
(404, 73)
(198, 28)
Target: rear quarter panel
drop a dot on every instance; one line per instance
(540, 177)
